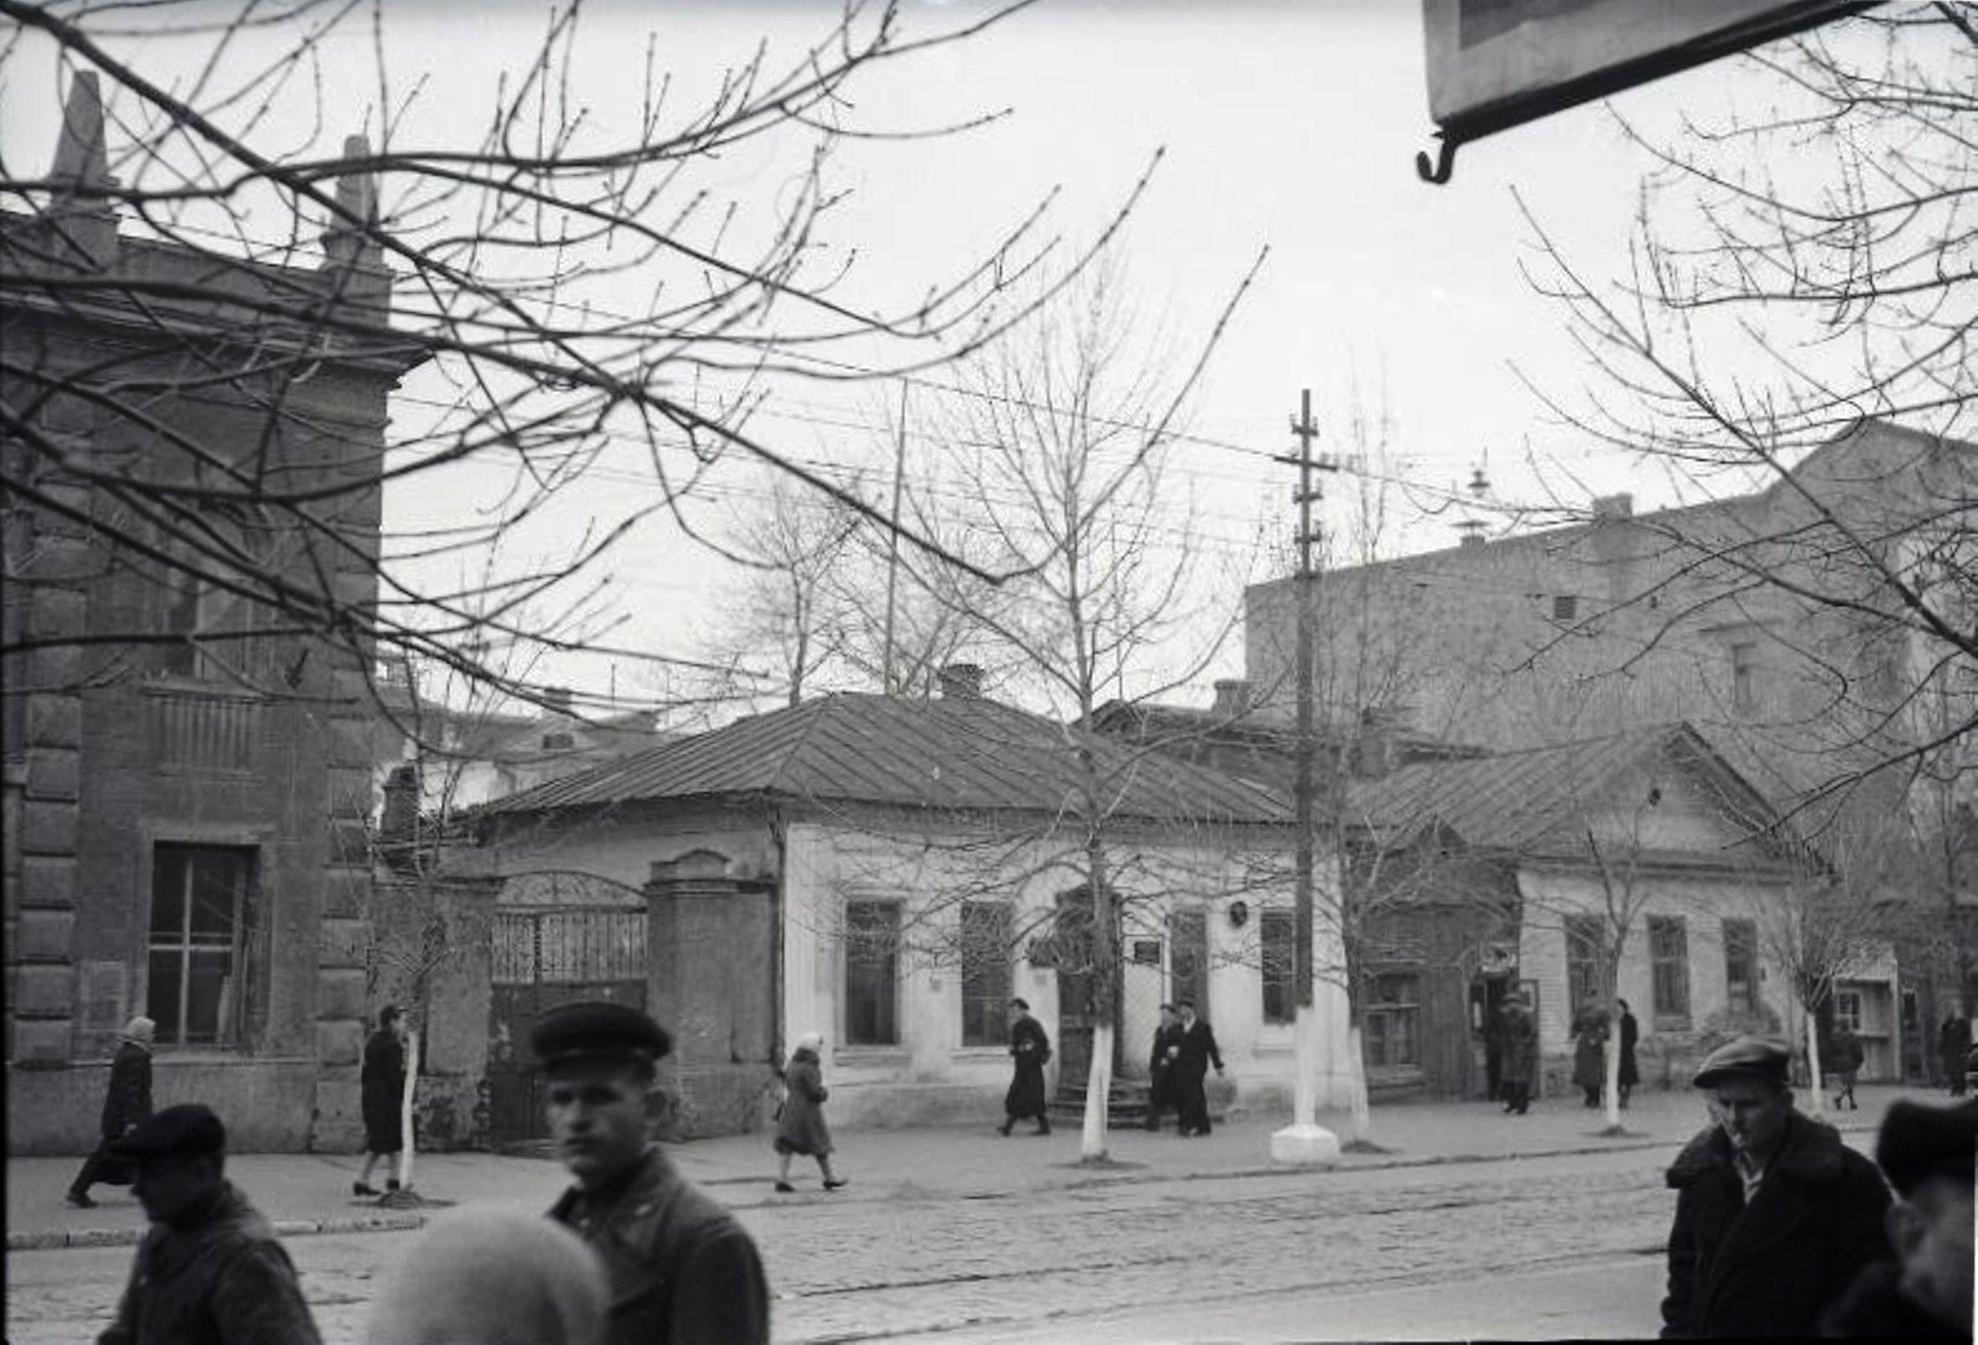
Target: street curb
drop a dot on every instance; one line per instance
(58, 1239)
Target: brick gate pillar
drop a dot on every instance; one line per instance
(711, 947)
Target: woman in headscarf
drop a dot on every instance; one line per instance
(127, 1102)
(493, 1277)
(800, 1127)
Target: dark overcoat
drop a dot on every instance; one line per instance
(218, 1277)
(1519, 1034)
(1030, 1047)
(1875, 1307)
(1161, 1066)
(1630, 1067)
(1589, 1053)
(382, 1086)
(681, 1270)
(1773, 1267)
(800, 1127)
(1198, 1051)
(128, 1100)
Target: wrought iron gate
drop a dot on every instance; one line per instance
(542, 958)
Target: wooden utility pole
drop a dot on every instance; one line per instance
(1305, 1141)
(893, 546)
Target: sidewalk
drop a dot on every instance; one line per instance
(310, 1193)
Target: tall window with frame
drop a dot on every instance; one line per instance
(210, 604)
(201, 908)
(1741, 966)
(985, 955)
(1393, 1020)
(872, 973)
(1669, 959)
(1583, 954)
(1277, 946)
(1847, 1010)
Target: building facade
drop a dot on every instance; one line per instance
(1642, 852)
(187, 769)
(891, 872)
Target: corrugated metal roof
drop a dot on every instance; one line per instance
(947, 754)
(1522, 801)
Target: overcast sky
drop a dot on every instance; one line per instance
(1290, 125)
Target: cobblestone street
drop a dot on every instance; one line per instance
(1236, 1257)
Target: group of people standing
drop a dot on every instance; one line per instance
(1511, 1052)
(1178, 1069)
(1592, 1027)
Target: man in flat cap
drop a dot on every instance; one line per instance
(1927, 1154)
(209, 1271)
(681, 1269)
(1774, 1215)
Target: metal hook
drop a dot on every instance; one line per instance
(1445, 161)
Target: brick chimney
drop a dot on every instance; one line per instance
(960, 681)
(1621, 505)
(1233, 697)
(1377, 751)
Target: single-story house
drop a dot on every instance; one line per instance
(890, 872)
(1534, 859)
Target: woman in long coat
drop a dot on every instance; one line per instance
(1589, 1053)
(1630, 1067)
(381, 1091)
(800, 1127)
(1519, 1065)
(1031, 1049)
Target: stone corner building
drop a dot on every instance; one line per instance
(193, 444)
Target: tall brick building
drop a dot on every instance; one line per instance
(193, 445)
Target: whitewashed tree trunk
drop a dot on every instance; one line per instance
(1813, 1064)
(405, 1110)
(1098, 1088)
(1612, 1088)
(1356, 1087)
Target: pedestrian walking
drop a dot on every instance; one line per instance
(381, 1092)
(1774, 1215)
(126, 1103)
(492, 1277)
(1520, 1066)
(209, 1271)
(800, 1127)
(1630, 1068)
(1954, 1049)
(1844, 1059)
(1926, 1153)
(1161, 1066)
(1196, 1051)
(680, 1270)
(1030, 1048)
(1590, 1052)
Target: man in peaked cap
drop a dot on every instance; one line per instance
(681, 1269)
(1774, 1215)
(1927, 1154)
(209, 1271)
